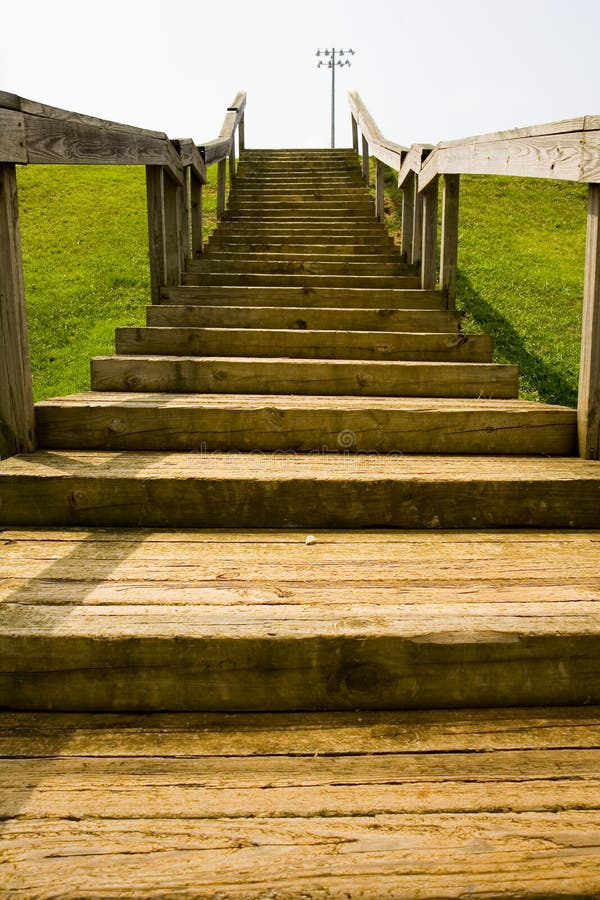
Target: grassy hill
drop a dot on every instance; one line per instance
(84, 237)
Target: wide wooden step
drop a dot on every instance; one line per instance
(423, 320)
(365, 378)
(303, 280)
(304, 344)
(308, 255)
(363, 298)
(250, 620)
(247, 244)
(115, 421)
(348, 240)
(266, 263)
(451, 803)
(295, 490)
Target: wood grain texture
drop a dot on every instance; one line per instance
(271, 490)
(589, 374)
(304, 317)
(17, 423)
(327, 424)
(12, 137)
(285, 296)
(429, 243)
(373, 804)
(188, 374)
(449, 236)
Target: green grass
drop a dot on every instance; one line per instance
(84, 235)
(520, 274)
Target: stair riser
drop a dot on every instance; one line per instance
(302, 281)
(343, 672)
(314, 298)
(272, 501)
(363, 242)
(270, 429)
(266, 264)
(298, 255)
(309, 378)
(245, 246)
(302, 318)
(300, 344)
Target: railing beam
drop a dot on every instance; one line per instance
(588, 406)
(449, 239)
(17, 420)
(429, 249)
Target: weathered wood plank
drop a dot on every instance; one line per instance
(408, 211)
(449, 236)
(429, 247)
(270, 490)
(12, 137)
(304, 424)
(573, 157)
(589, 375)
(155, 199)
(17, 423)
(314, 377)
(304, 344)
(221, 187)
(62, 141)
(196, 215)
(318, 297)
(365, 160)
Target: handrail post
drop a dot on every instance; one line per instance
(417, 239)
(185, 216)
(449, 239)
(429, 248)
(17, 417)
(156, 229)
(196, 214)
(241, 134)
(408, 213)
(365, 160)
(354, 132)
(232, 160)
(164, 230)
(221, 187)
(379, 190)
(588, 405)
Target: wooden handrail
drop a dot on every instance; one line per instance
(32, 132)
(566, 150)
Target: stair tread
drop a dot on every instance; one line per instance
(312, 402)
(415, 803)
(448, 469)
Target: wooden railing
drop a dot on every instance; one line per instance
(568, 150)
(33, 133)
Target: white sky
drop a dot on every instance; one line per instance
(429, 70)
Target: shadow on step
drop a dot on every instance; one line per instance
(510, 345)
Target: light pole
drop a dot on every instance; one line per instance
(331, 64)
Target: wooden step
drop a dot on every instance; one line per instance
(423, 320)
(304, 280)
(363, 298)
(245, 244)
(291, 490)
(304, 344)
(209, 620)
(348, 241)
(243, 192)
(266, 263)
(359, 254)
(452, 803)
(366, 378)
(114, 421)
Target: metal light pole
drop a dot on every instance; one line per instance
(331, 64)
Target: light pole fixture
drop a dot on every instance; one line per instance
(331, 62)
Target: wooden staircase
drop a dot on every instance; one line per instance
(300, 600)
